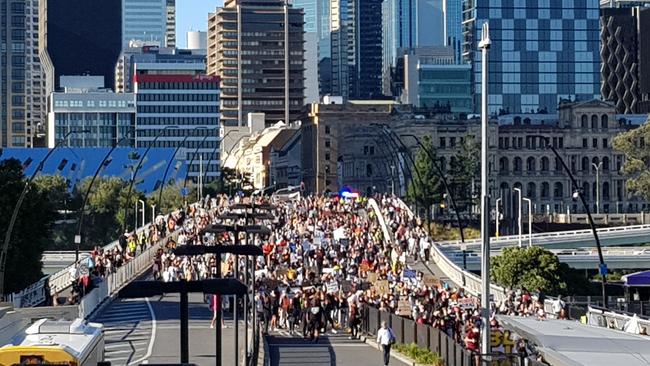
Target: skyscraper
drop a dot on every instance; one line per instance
(170, 36)
(541, 50)
(317, 45)
(145, 20)
(408, 24)
(256, 47)
(453, 19)
(625, 57)
(365, 49)
(79, 37)
(12, 73)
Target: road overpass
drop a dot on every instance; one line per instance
(610, 236)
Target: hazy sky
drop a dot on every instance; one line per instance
(192, 15)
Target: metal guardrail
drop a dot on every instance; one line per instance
(545, 238)
(613, 319)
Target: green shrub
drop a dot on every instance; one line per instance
(419, 355)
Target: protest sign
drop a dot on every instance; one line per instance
(404, 308)
(372, 277)
(382, 287)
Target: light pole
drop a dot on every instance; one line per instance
(578, 194)
(153, 212)
(497, 216)
(519, 219)
(19, 203)
(597, 167)
(392, 179)
(162, 184)
(530, 221)
(200, 145)
(143, 211)
(484, 45)
(102, 165)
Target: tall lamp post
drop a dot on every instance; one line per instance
(19, 203)
(200, 145)
(105, 162)
(164, 179)
(497, 217)
(137, 169)
(519, 219)
(530, 221)
(484, 45)
(217, 147)
(597, 167)
(579, 194)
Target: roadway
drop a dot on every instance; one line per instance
(147, 331)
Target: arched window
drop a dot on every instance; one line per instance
(517, 121)
(531, 191)
(516, 166)
(585, 189)
(504, 186)
(517, 185)
(594, 121)
(594, 161)
(558, 190)
(504, 165)
(594, 191)
(545, 189)
(443, 163)
(545, 164)
(585, 164)
(558, 165)
(584, 121)
(604, 122)
(606, 163)
(369, 170)
(606, 191)
(530, 164)
(527, 121)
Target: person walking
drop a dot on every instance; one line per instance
(385, 339)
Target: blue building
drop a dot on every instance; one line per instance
(453, 19)
(542, 50)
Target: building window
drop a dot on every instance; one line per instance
(558, 190)
(584, 144)
(605, 144)
(327, 130)
(594, 122)
(328, 143)
(327, 156)
(545, 164)
(368, 170)
(604, 121)
(594, 143)
(584, 121)
(443, 142)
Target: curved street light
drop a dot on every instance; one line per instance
(162, 184)
(135, 174)
(577, 193)
(207, 165)
(189, 167)
(101, 166)
(19, 203)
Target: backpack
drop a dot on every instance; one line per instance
(391, 336)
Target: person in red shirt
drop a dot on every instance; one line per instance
(472, 339)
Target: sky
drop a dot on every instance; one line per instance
(192, 15)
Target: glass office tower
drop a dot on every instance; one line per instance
(542, 50)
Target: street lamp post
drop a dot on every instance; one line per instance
(143, 211)
(597, 167)
(200, 145)
(519, 219)
(497, 216)
(484, 45)
(530, 221)
(153, 213)
(162, 184)
(579, 194)
(19, 203)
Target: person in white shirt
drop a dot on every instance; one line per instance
(385, 338)
(558, 305)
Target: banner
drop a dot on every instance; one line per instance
(332, 287)
(404, 308)
(372, 277)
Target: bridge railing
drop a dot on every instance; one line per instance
(613, 319)
(468, 280)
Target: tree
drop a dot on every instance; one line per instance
(464, 170)
(534, 268)
(172, 198)
(424, 188)
(105, 210)
(637, 159)
(32, 229)
(58, 193)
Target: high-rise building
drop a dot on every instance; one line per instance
(338, 82)
(365, 49)
(408, 24)
(197, 42)
(170, 36)
(173, 90)
(542, 50)
(145, 20)
(35, 94)
(625, 57)
(79, 37)
(453, 19)
(12, 73)
(256, 47)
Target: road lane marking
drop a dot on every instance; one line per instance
(152, 340)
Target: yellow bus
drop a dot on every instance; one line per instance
(69, 343)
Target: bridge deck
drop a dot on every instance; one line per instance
(565, 343)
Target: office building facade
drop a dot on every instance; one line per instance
(625, 58)
(256, 47)
(144, 20)
(170, 36)
(432, 79)
(79, 37)
(173, 90)
(365, 49)
(12, 72)
(453, 26)
(108, 116)
(542, 50)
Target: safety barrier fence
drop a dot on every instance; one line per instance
(602, 317)
(425, 336)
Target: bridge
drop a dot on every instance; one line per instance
(609, 236)
(146, 329)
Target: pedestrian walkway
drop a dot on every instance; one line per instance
(331, 349)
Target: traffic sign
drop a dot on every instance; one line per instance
(603, 269)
